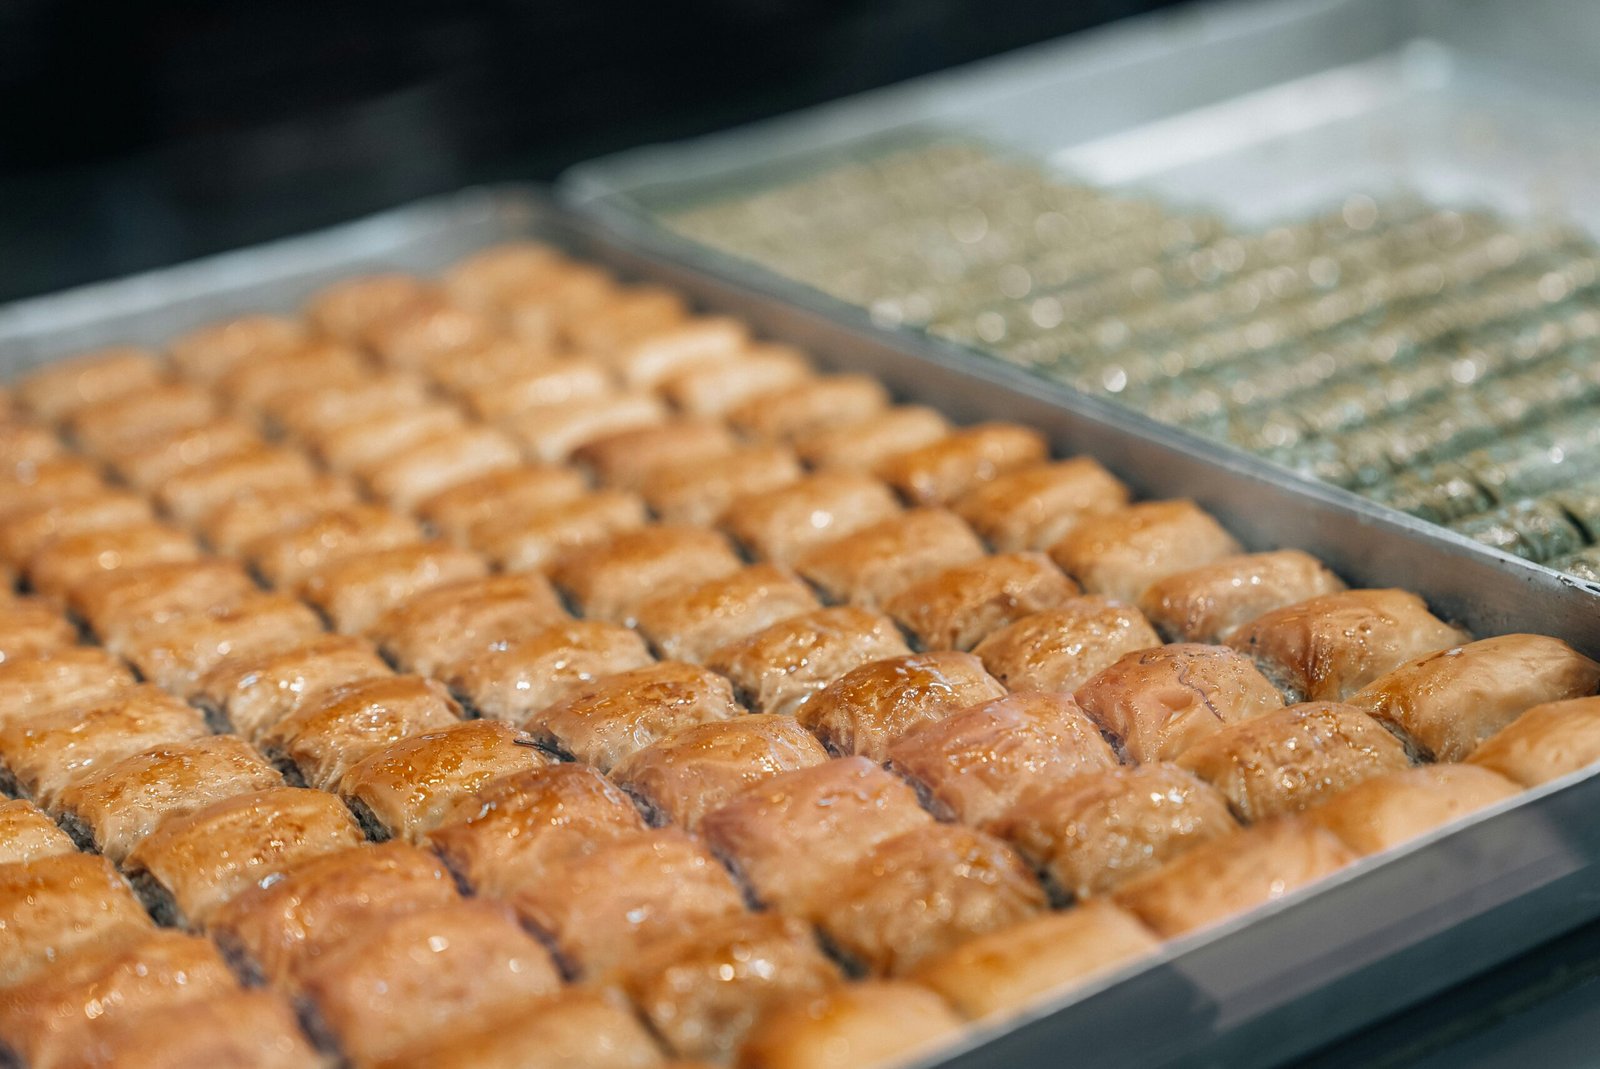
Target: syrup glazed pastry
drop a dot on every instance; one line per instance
(535, 540)
(963, 460)
(250, 694)
(53, 906)
(1545, 743)
(441, 461)
(554, 433)
(1328, 648)
(691, 625)
(70, 562)
(433, 630)
(781, 668)
(354, 593)
(612, 580)
(288, 557)
(874, 564)
(1207, 603)
(829, 814)
(64, 679)
(401, 984)
(535, 673)
(809, 405)
(232, 1030)
(1033, 507)
(1448, 702)
(977, 764)
(457, 512)
(647, 360)
(1120, 554)
(868, 708)
(60, 388)
(148, 466)
(122, 603)
(702, 492)
(784, 524)
(872, 1023)
(958, 608)
(210, 352)
(191, 495)
(24, 531)
(863, 445)
(27, 834)
(504, 380)
(1062, 649)
(1391, 809)
(712, 391)
(181, 651)
(1157, 703)
(625, 460)
(115, 425)
(29, 627)
(247, 516)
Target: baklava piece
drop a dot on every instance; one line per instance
(1156, 703)
(1448, 702)
(271, 932)
(626, 460)
(611, 580)
(781, 668)
(440, 462)
(122, 603)
(24, 531)
(701, 492)
(29, 628)
(69, 678)
(515, 829)
(335, 728)
(703, 991)
(792, 837)
(872, 565)
(1062, 649)
(440, 627)
(248, 695)
(148, 466)
(258, 512)
(1207, 603)
(865, 1025)
(108, 428)
(553, 433)
(405, 790)
(974, 765)
(863, 445)
(231, 1030)
(944, 470)
(44, 1021)
(614, 901)
(319, 364)
(625, 315)
(1391, 809)
(527, 676)
(958, 608)
(192, 865)
(115, 807)
(355, 592)
(711, 392)
(209, 352)
(923, 892)
(868, 708)
(27, 834)
(426, 331)
(72, 561)
(534, 540)
(575, 1027)
(1095, 831)
(521, 491)
(528, 382)
(1120, 554)
(359, 446)
(1034, 507)
(53, 906)
(288, 557)
(311, 413)
(700, 342)
(44, 755)
(690, 625)
(1291, 759)
(686, 775)
(347, 308)
(1328, 648)
(614, 717)
(1231, 875)
(24, 444)
(179, 652)
(783, 525)
(1545, 743)
(488, 276)
(62, 387)
(405, 983)
(1020, 966)
(810, 405)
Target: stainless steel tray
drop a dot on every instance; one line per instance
(1383, 934)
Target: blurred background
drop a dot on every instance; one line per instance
(138, 134)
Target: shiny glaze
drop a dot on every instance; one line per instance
(71, 561)
(782, 525)
(696, 769)
(1062, 649)
(70, 677)
(532, 382)
(426, 330)
(1207, 603)
(863, 445)
(254, 513)
(873, 1022)
(316, 363)
(1158, 702)
(870, 566)
(1033, 507)
(440, 461)
(690, 625)
(609, 581)
(522, 490)
(337, 727)
(712, 391)
(430, 631)
(27, 834)
(345, 309)
(702, 491)
(62, 387)
(354, 593)
(944, 470)
(28, 484)
(1545, 743)
(179, 652)
(1120, 554)
(576, 1027)
(976, 764)
(312, 413)
(868, 708)
(531, 674)
(232, 1030)
(957, 608)
(553, 433)
(621, 714)
(53, 906)
(360, 445)
(625, 460)
(1388, 810)
(254, 693)
(210, 351)
(285, 558)
(24, 531)
(30, 627)
(111, 426)
(701, 341)
(152, 463)
(128, 600)
(810, 405)
(534, 540)
(781, 668)
(193, 493)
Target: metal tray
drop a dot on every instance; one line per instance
(1385, 933)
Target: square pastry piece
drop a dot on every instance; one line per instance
(434, 630)
(248, 695)
(27, 834)
(874, 1022)
(956, 609)
(68, 678)
(1545, 743)
(1207, 603)
(781, 668)
(868, 708)
(1062, 649)
(691, 625)
(942, 471)
(872, 565)
(1033, 507)
(782, 525)
(1396, 807)
(1120, 554)
(527, 676)
(54, 906)
(612, 580)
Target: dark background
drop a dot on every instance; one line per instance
(137, 134)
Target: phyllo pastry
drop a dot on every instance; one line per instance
(62, 387)
(944, 470)
(1327, 648)
(874, 564)
(1011, 969)
(258, 512)
(922, 893)
(30, 627)
(231, 1030)
(191, 495)
(114, 807)
(611, 580)
(781, 668)
(974, 765)
(69, 562)
(354, 593)
(404, 983)
(1207, 603)
(690, 625)
(1061, 649)
(853, 1026)
(287, 557)
(440, 461)
(406, 789)
(347, 308)
(211, 351)
(359, 446)
(121, 603)
(318, 363)
(809, 405)
(1121, 554)
(1545, 743)
(67, 678)
(617, 716)
(703, 990)
(311, 413)
(686, 775)
(500, 385)
(553, 433)
(179, 652)
(273, 931)
(866, 709)
(1290, 759)
(703, 491)
(1231, 875)
(713, 391)
(455, 513)
(30, 484)
(248, 695)
(866, 443)
(956, 609)
(1034, 507)
(782, 525)
(648, 360)
(586, 1027)
(625, 460)
(109, 427)
(1095, 831)
(1156, 703)
(432, 631)
(1387, 810)
(191, 865)
(53, 906)
(526, 676)
(27, 834)
(535, 537)
(26, 530)
(150, 464)
(1450, 701)
(792, 837)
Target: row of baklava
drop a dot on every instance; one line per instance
(673, 735)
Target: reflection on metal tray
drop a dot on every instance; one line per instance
(1382, 934)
